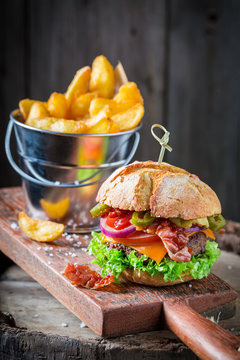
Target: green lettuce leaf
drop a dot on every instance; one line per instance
(114, 261)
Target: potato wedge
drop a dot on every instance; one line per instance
(129, 92)
(130, 118)
(79, 84)
(25, 107)
(40, 230)
(58, 125)
(98, 104)
(69, 126)
(113, 128)
(99, 124)
(56, 210)
(102, 77)
(41, 123)
(80, 106)
(57, 105)
(38, 110)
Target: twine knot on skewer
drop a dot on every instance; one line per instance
(162, 141)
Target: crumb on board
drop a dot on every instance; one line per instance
(64, 324)
(14, 226)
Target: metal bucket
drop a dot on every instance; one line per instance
(61, 173)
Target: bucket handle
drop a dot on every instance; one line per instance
(49, 183)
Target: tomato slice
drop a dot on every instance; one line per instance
(138, 238)
(119, 219)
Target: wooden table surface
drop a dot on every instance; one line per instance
(45, 329)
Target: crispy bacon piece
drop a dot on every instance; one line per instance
(174, 240)
(82, 275)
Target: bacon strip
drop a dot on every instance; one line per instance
(174, 240)
(82, 275)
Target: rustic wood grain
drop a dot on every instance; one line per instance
(117, 309)
(183, 55)
(24, 298)
(12, 74)
(203, 114)
(81, 30)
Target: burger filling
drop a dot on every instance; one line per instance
(142, 242)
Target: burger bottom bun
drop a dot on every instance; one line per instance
(147, 279)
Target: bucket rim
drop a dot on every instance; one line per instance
(16, 112)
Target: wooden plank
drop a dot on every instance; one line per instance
(12, 70)
(203, 113)
(118, 309)
(42, 317)
(66, 35)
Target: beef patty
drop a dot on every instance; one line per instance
(196, 242)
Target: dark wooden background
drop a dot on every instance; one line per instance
(183, 54)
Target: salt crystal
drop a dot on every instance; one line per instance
(66, 254)
(79, 242)
(70, 222)
(76, 182)
(84, 249)
(64, 234)
(74, 255)
(70, 253)
(14, 226)
(39, 248)
(190, 285)
(64, 324)
(51, 248)
(229, 267)
(75, 236)
(35, 315)
(51, 254)
(76, 245)
(86, 237)
(83, 325)
(232, 329)
(68, 237)
(49, 262)
(57, 183)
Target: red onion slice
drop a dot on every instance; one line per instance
(107, 230)
(194, 228)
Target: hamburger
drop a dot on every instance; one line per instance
(157, 225)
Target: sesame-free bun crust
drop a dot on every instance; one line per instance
(147, 279)
(166, 190)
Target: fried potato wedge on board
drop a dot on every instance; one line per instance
(56, 210)
(102, 77)
(130, 118)
(57, 105)
(40, 230)
(38, 110)
(80, 107)
(79, 84)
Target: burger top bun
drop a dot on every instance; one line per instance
(166, 190)
(142, 277)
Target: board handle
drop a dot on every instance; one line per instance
(204, 337)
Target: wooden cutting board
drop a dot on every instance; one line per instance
(125, 308)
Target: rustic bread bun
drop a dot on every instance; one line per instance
(147, 279)
(166, 190)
